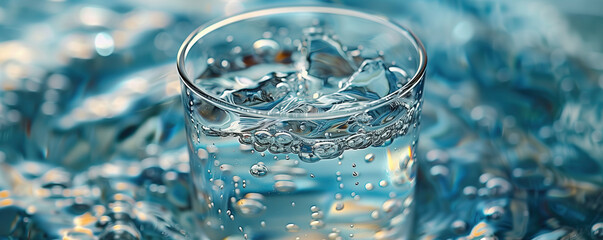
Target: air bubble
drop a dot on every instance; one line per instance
(285, 186)
(494, 212)
(459, 226)
(498, 186)
(283, 138)
(317, 224)
(225, 63)
(258, 170)
(368, 186)
(391, 205)
(357, 141)
(470, 192)
(327, 150)
(369, 157)
(265, 47)
(263, 137)
(317, 215)
(383, 183)
(375, 214)
(597, 231)
(292, 227)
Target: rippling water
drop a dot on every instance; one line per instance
(91, 130)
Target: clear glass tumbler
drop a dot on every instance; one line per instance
(302, 123)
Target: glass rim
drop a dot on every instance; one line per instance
(207, 28)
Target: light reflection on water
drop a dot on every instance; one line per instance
(92, 142)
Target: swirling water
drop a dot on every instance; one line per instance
(510, 142)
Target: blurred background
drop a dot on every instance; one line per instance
(92, 142)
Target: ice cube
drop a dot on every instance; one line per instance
(269, 92)
(371, 77)
(324, 59)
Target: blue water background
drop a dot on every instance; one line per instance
(92, 143)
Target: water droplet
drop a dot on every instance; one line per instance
(498, 187)
(263, 137)
(285, 186)
(368, 186)
(292, 227)
(317, 224)
(375, 214)
(339, 206)
(391, 205)
(306, 154)
(283, 139)
(494, 212)
(355, 174)
(265, 47)
(311, 175)
(225, 63)
(597, 231)
(226, 168)
(459, 226)
(369, 157)
(292, 204)
(317, 215)
(338, 196)
(327, 150)
(383, 183)
(353, 164)
(258, 170)
(470, 192)
(202, 154)
(314, 209)
(263, 223)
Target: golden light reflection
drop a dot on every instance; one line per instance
(6, 202)
(478, 230)
(4, 194)
(75, 233)
(99, 210)
(84, 219)
(121, 186)
(31, 210)
(119, 196)
(393, 163)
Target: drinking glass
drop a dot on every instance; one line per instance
(302, 123)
